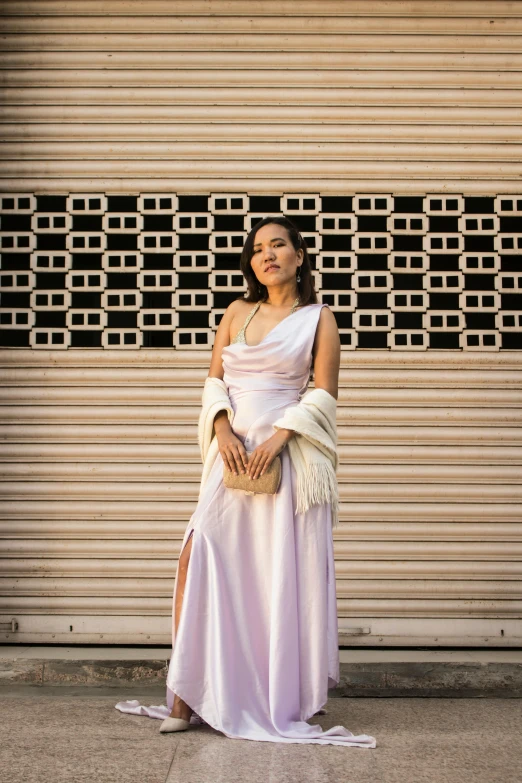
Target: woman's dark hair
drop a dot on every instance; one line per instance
(257, 291)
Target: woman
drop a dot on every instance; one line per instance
(255, 640)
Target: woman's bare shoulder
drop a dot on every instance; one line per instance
(235, 313)
(237, 307)
(327, 319)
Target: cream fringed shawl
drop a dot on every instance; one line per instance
(313, 449)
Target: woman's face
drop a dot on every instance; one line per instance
(274, 259)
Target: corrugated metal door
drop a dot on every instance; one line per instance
(103, 475)
(140, 142)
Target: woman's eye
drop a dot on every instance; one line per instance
(279, 244)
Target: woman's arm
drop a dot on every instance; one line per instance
(230, 447)
(326, 353)
(222, 339)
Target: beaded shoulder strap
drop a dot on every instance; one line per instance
(240, 336)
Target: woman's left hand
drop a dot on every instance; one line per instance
(264, 454)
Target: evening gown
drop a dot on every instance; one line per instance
(257, 642)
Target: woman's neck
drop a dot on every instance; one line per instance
(281, 298)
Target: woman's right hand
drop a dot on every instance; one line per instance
(230, 446)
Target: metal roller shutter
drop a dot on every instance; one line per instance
(407, 103)
(102, 473)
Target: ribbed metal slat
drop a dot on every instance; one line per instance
(457, 557)
(287, 8)
(181, 471)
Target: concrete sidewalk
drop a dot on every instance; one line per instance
(364, 672)
(65, 734)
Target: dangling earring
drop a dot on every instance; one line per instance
(298, 274)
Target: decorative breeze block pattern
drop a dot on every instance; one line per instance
(158, 270)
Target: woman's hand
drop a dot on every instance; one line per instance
(263, 456)
(230, 446)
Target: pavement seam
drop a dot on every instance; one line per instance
(172, 760)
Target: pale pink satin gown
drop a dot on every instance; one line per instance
(257, 642)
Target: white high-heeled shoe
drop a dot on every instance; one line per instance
(174, 724)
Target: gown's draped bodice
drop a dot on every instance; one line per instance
(264, 379)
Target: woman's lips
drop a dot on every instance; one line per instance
(271, 268)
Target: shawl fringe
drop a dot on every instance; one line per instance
(313, 449)
(318, 485)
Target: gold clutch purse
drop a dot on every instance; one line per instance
(266, 484)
